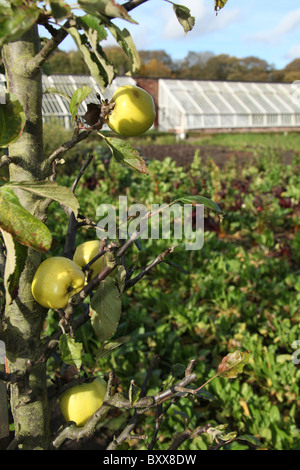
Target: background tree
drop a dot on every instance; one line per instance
(118, 58)
(68, 62)
(196, 65)
(290, 73)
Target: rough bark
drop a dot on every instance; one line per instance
(23, 318)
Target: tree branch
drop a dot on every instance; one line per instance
(73, 223)
(188, 434)
(117, 401)
(76, 138)
(135, 418)
(131, 4)
(36, 62)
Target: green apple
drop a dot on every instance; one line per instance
(134, 111)
(56, 280)
(80, 402)
(85, 252)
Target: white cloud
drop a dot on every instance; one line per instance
(288, 23)
(293, 52)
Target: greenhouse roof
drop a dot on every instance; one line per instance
(201, 97)
(204, 104)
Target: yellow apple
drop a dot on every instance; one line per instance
(56, 280)
(80, 402)
(134, 111)
(85, 252)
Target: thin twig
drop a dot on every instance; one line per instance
(134, 420)
(86, 163)
(51, 45)
(159, 259)
(188, 434)
(131, 4)
(76, 138)
(73, 223)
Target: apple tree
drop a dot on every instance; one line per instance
(25, 237)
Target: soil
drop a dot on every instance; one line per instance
(183, 154)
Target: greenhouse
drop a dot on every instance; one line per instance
(185, 105)
(191, 104)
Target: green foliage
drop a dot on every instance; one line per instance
(105, 311)
(242, 293)
(23, 226)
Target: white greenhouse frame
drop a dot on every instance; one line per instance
(199, 104)
(185, 105)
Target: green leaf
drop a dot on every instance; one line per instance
(121, 277)
(22, 225)
(219, 4)
(199, 200)
(184, 17)
(105, 8)
(12, 120)
(251, 439)
(88, 44)
(51, 190)
(99, 66)
(70, 350)
(78, 97)
(205, 395)
(105, 309)
(90, 23)
(233, 364)
(15, 260)
(55, 91)
(59, 9)
(125, 41)
(125, 154)
(16, 19)
(134, 392)
(110, 346)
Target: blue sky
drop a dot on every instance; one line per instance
(241, 29)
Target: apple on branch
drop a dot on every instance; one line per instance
(80, 402)
(85, 252)
(133, 113)
(56, 280)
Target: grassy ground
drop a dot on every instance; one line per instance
(237, 141)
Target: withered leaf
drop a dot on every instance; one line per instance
(93, 113)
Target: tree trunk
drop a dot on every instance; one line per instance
(23, 318)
